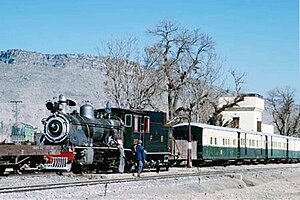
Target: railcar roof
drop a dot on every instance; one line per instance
(137, 111)
(206, 126)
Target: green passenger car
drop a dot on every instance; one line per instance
(214, 143)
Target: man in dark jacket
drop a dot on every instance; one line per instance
(139, 157)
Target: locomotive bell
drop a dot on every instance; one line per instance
(87, 111)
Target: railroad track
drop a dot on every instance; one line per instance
(37, 187)
(105, 182)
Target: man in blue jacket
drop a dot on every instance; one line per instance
(139, 157)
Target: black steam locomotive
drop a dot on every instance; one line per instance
(92, 140)
(93, 135)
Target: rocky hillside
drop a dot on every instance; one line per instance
(29, 58)
(34, 78)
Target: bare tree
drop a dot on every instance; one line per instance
(285, 112)
(195, 95)
(180, 68)
(128, 84)
(180, 56)
(201, 97)
(236, 94)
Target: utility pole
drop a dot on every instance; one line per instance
(16, 110)
(189, 153)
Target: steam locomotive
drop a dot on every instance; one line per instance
(92, 136)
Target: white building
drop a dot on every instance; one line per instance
(247, 115)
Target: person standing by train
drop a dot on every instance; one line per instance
(139, 157)
(122, 156)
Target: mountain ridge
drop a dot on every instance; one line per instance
(25, 57)
(34, 78)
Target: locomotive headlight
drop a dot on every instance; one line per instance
(56, 128)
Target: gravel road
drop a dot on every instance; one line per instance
(280, 181)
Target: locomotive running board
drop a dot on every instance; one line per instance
(159, 153)
(102, 148)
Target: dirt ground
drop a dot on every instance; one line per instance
(279, 183)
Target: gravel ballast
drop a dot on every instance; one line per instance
(280, 181)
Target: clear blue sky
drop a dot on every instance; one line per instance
(259, 37)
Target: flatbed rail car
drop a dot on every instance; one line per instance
(222, 145)
(34, 157)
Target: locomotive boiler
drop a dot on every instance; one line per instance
(93, 139)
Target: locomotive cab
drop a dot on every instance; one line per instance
(147, 126)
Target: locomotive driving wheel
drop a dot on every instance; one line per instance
(77, 168)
